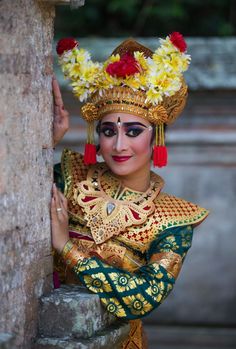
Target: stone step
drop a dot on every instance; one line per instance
(6, 341)
(111, 337)
(71, 311)
(190, 337)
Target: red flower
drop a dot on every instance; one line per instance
(66, 44)
(126, 66)
(178, 41)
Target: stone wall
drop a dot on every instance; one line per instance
(26, 163)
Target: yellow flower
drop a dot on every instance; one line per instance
(112, 59)
(154, 96)
(142, 81)
(132, 82)
(139, 56)
(74, 70)
(82, 56)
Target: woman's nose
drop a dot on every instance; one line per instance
(120, 142)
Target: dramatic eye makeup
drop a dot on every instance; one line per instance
(132, 129)
(108, 131)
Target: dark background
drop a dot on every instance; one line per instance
(117, 18)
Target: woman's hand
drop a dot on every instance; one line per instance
(59, 219)
(61, 116)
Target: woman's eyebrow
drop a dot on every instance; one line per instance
(108, 123)
(134, 123)
(126, 124)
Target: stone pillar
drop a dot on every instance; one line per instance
(26, 163)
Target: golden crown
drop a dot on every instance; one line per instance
(133, 79)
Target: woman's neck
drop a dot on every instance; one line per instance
(137, 181)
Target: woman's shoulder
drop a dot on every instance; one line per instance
(70, 156)
(70, 170)
(174, 211)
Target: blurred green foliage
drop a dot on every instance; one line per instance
(116, 18)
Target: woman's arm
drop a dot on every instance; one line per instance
(124, 294)
(134, 295)
(61, 116)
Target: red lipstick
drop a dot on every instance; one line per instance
(120, 158)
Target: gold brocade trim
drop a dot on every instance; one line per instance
(170, 212)
(71, 254)
(135, 338)
(107, 216)
(67, 247)
(171, 261)
(124, 99)
(110, 252)
(73, 170)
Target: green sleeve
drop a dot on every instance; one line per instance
(134, 295)
(58, 177)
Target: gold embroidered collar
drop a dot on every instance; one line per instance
(108, 208)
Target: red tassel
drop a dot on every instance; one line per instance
(160, 155)
(90, 154)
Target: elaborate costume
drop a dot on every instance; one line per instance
(134, 242)
(126, 246)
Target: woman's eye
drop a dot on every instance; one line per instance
(134, 132)
(108, 132)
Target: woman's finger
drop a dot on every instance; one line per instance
(56, 197)
(54, 216)
(63, 204)
(63, 199)
(57, 93)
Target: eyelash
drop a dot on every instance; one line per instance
(109, 132)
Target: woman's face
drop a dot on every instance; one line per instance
(125, 143)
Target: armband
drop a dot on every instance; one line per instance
(71, 254)
(171, 261)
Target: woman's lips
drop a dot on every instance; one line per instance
(121, 158)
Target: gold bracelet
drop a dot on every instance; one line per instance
(67, 247)
(71, 254)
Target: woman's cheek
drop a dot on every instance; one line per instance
(143, 144)
(106, 146)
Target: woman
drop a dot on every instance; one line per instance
(125, 240)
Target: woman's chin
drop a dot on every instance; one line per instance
(120, 169)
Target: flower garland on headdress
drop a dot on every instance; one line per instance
(159, 76)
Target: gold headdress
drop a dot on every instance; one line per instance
(132, 80)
